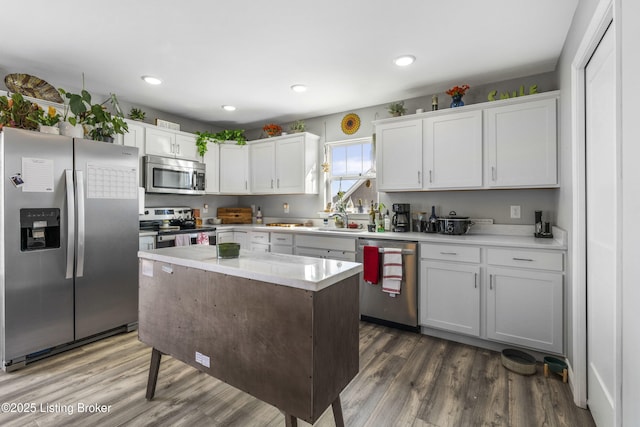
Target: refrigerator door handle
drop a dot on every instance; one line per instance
(71, 223)
(81, 222)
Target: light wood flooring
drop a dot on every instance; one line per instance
(405, 379)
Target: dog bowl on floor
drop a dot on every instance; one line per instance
(518, 361)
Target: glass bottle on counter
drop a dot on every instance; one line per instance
(432, 227)
(259, 216)
(387, 221)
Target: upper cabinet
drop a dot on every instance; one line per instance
(399, 155)
(168, 143)
(284, 165)
(453, 151)
(521, 144)
(509, 143)
(234, 168)
(212, 161)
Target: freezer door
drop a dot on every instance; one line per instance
(107, 234)
(37, 298)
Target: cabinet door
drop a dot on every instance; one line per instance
(290, 165)
(262, 159)
(234, 169)
(450, 296)
(212, 162)
(160, 142)
(147, 243)
(186, 147)
(282, 249)
(399, 155)
(240, 237)
(521, 141)
(453, 151)
(135, 138)
(524, 307)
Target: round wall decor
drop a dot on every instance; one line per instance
(350, 123)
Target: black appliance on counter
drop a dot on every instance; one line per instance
(401, 217)
(170, 222)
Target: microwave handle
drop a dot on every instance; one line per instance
(194, 179)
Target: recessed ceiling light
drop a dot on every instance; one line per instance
(151, 80)
(229, 108)
(404, 60)
(299, 88)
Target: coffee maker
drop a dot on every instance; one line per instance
(401, 217)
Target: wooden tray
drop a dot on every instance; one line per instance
(235, 215)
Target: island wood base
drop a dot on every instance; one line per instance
(292, 348)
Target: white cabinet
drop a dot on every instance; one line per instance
(399, 155)
(146, 243)
(282, 243)
(232, 237)
(449, 296)
(259, 241)
(211, 159)
(521, 144)
(234, 169)
(285, 165)
(169, 143)
(525, 299)
(135, 138)
(453, 151)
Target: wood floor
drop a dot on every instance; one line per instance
(405, 379)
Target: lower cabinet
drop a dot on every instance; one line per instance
(524, 307)
(450, 296)
(146, 243)
(342, 248)
(282, 243)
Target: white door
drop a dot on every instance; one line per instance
(601, 239)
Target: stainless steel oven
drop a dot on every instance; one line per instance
(167, 240)
(176, 176)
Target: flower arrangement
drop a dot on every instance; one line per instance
(272, 129)
(457, 90)
(52, 117)
(18, 112)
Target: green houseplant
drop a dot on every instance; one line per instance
(396, 108)
(18, 112)
(99, 123)
(226, 135)
(136, 114)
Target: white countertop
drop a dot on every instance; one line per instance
(307, 273)
(517, 236)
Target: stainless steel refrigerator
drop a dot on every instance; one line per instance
(68, 256)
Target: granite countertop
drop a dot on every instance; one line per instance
(307, 273)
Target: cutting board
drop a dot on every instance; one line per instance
(235, 215)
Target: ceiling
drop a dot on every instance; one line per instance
(248, 53)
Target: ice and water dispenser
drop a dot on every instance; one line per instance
(39, 229)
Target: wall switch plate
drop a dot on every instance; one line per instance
(515, 211)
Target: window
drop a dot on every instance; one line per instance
(352, 171)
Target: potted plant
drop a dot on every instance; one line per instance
(226, 135)
(47, 123)
(136, 114)
(98, 123)
(272, 129)
(396, 108)
(18, 112)
(297, 127)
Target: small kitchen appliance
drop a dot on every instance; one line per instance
(401, 217)
(542, 230)
(454, 224)
(169, 222)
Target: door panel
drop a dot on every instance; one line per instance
(601, 183)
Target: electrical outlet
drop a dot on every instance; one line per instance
(205, 208)
(285, 206)
(515, 211)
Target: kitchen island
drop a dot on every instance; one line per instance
(282, 328)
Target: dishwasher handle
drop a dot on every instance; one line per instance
(381, 250)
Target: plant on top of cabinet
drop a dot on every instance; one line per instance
(136, 114)
(272, 129)
(217, 138)
(297, 127)
(396, 109)
(456, 93)
(17, 112)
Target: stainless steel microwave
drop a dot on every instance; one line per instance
(176, 176)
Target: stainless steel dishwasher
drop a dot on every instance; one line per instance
(377, 306)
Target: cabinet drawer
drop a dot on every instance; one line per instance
(321, 242)
(259, 237)
(282, 238)
(224, 237)
(449, 252)
(526, 259)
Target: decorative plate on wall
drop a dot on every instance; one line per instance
(32, 86)
(350, 123)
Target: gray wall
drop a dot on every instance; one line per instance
(477, 204)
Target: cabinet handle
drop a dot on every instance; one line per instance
(272, 183)
(245, 185)
(491, 281)
(177, 148)
(493, 173)
(523, 259)
(278, 182)
(419, 177)
(475, 280)
(430, 176)
(448, 253)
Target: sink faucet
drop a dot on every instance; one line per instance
(342, 214)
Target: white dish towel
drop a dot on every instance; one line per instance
(392, 271)
(183, 240)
